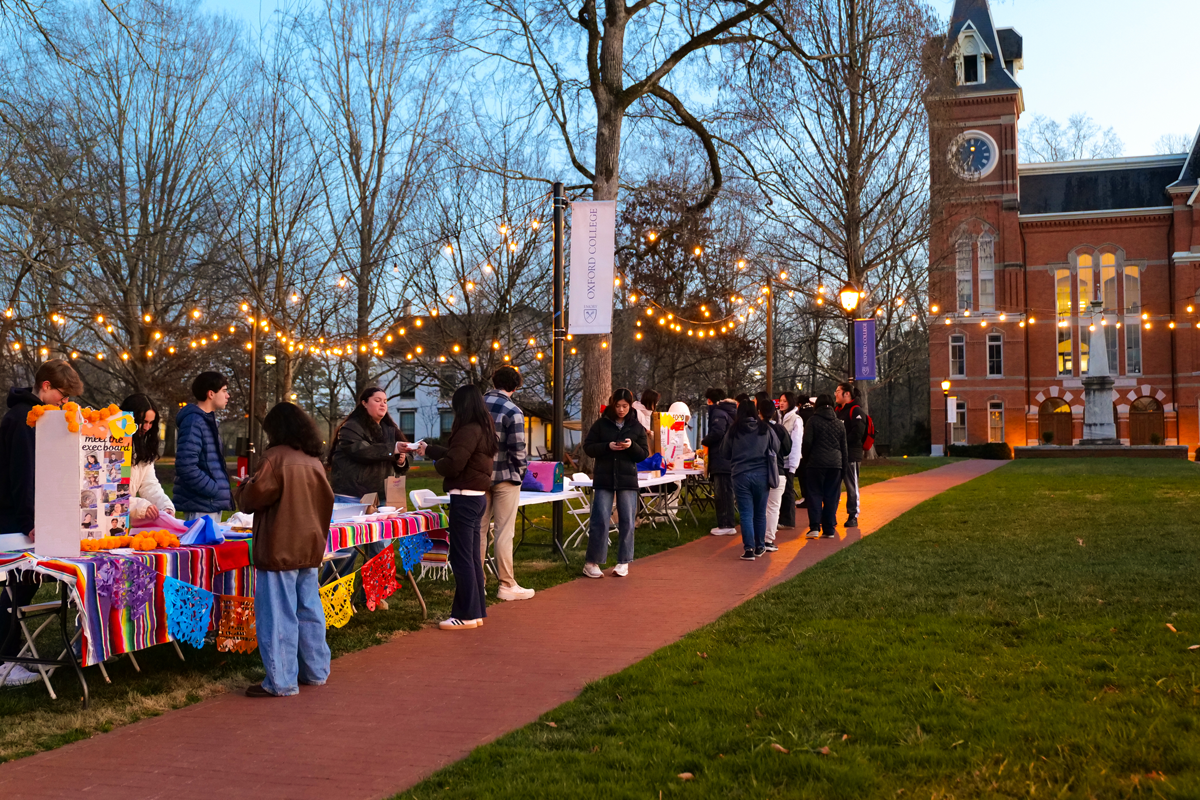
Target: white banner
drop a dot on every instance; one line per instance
(593, 247)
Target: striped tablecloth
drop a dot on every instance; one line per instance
(109, 631)
(352, 534)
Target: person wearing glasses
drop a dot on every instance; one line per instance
(147, 498)
(54, 383)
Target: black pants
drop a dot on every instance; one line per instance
(23, 590)
(466, 513)
(722, 483)
(787, 509)
(824, 494)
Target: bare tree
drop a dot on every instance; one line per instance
(589, 66)
(1170, 143)
(1044, 139)
(376, 98)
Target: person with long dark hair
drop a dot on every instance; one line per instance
(292, 504)
(783, 450)
(747, 446)
(363, 455)
(617, 442)
(147, 498)
(466, 464)
(826, 457)
(793, 423)
(647, 415)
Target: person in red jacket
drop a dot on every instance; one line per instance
(466, 463)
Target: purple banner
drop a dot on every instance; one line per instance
(864, 349)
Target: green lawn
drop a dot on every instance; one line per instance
(30, 721)
(1008, 638)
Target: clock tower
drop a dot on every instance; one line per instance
(976, 259)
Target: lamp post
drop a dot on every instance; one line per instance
(946, 405)
(849, 297)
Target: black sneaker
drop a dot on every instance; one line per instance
(747, 555)
(758, 551)
(852, 522)
(771, 547)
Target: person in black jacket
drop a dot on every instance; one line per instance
(748, 445)
(825, 459)
(54, 383)
(855, 420)
(721, 413)
(617, 442)
(770, 413)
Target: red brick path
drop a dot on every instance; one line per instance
(393, 714)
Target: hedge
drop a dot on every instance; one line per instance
(995, 451)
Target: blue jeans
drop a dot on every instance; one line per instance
(291, 629)
(602, 505)
(751, 490)
(823, 491)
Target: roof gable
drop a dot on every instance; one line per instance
(1190, 174)
(975, 17)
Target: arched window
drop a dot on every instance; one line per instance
(1062, 303)
(1108, 280)
(1087, 287)
(1055, 422)
(987, 272)
(963, 268)
(1133, 321)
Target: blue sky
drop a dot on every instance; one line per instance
(1126, 63)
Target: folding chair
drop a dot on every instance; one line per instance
(581, 513)
(437, 560)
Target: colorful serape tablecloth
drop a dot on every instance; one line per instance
(352, 534)
(109, 630)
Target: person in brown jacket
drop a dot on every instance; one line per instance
(292, 504)
(466, 464)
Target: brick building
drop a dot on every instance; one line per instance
(1019, 252)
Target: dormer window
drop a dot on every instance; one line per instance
(971, 67)
(970, 70)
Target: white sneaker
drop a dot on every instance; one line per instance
(592, 571)
(20, 676)
(621, 571)
(813, 534)
(381, 605)
(514, 593)
(723, 531)
(455, 624)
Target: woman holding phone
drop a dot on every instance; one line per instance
(617, 443)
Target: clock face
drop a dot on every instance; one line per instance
(973, 155)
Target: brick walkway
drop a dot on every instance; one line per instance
(393, 714)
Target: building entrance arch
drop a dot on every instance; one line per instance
(1054, 417)
(1146, 422)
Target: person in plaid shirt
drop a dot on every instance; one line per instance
(508, 472)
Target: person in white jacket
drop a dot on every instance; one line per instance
(148, 500)
(793, 423)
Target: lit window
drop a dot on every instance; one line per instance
(1087, 287)
(958, 355)
(963, 268)
(995, 354)
(987, 274)
(958, 433)
(995, 421)
(1065, 360)
(1062, 292)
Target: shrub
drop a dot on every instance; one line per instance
(994, 451)
(1048, 437)
(1155, 439)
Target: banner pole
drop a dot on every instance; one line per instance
(559, 371)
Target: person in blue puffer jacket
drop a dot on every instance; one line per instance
(201, 480)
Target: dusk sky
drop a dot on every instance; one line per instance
(1121, 62)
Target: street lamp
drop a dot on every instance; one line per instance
(850, 297)
(946, 403)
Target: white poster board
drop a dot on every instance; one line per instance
(593, 248)
(81, 482)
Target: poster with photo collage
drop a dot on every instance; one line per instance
(104, 499)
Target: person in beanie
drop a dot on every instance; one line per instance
(292, 503)
(507, 473)
(721, 413)
(201, 479)
(826, 458)
(54, 383)
(855, 420)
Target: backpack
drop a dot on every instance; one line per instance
(868, 435)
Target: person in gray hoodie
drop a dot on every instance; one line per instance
(826, 459)
(747, 446)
